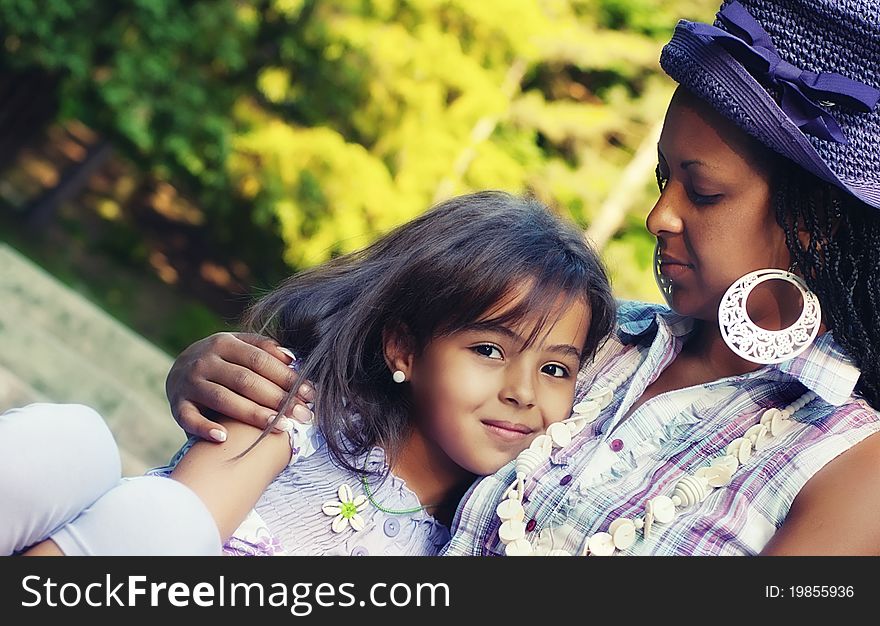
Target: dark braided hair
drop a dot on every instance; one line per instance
(840, 263)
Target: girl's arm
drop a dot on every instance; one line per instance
(838, 511)
(230, 487)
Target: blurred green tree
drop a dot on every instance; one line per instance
(329, 122)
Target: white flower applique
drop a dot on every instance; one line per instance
(346, 511)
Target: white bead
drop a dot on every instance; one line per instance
(576, 424)
(520, 547)
(527, 461)
(767, 416)
(764, 437)
(727, 462)
(542, 444)
(511, 530)
(588, 410)
(559, 552)
(733, 446)
(602, 397)
(560, 434)
(676, 500)
(620, 521)
(601, 544)
(510, 509)
(745, 451)
(624, 535)
(752, 432)
(639, 523)
(715, 476)
(690, 490)
(778, 424)
(584, 407)
(649, 519)
(664, 509)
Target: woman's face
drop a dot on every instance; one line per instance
(714, 220)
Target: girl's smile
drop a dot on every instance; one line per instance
(508, 431)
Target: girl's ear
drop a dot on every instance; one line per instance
(398, 345)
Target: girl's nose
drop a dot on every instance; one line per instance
(519, 387)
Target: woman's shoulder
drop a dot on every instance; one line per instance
(835, 511)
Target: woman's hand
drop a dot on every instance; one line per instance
(242, 376)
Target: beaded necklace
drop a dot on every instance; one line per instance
(621, 533)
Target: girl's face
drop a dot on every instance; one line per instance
(481, 397)
(714, 221)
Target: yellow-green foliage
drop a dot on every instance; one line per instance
(445, 97)
(335, 120)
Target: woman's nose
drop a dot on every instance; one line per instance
(665, 218)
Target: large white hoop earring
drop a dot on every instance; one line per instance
(760, 345)
(663, 283)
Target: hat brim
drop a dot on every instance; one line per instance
(710, 72)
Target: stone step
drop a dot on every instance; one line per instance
(57, 346)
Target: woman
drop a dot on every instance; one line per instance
(710, 435)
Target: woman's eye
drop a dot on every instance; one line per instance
(488, 351)
(555, 370)
(698, 198)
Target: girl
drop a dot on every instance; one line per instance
(740, 420)
(440, 352)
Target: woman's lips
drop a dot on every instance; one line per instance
(673, 268)
(507, 430)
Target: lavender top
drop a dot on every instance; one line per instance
(288, 518)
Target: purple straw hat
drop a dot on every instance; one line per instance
(820, 59)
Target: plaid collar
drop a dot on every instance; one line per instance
(823, 368)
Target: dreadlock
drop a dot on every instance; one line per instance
(840, 263)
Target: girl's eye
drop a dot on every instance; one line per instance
(488, 350)
(555, 370)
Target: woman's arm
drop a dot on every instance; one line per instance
(238, 375)
(838, 511)
(230, 487)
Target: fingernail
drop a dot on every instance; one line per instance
(284, 424)
(307, 392)
(302, 414)
(287, 352)
(217, 435)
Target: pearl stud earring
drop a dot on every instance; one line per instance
(398, 376)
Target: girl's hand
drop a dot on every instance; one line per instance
(238, 375)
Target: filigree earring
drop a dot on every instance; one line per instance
(663, 283)
(760, 345)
